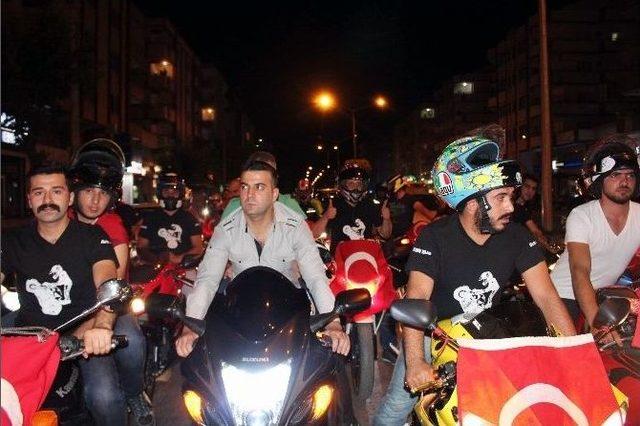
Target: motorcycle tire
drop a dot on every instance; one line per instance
(362, 361)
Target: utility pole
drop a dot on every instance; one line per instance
(354, 135)
(545, 124)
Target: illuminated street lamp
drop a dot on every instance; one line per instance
(325, 101)
(319, 147)
(380, 102)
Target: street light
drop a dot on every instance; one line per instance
(379, 102)
(319, 147)
(325, 101)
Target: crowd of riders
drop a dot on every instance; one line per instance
(480, 226)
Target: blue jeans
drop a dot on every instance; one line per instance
(398, 402)
(108, 380)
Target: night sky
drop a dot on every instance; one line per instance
(275, 55)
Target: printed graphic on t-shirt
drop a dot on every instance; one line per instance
(476, 300)
(355, 232)
(172, 235)
(52, 295)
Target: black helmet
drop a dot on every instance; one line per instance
(606, 158)
(98, 163)
(353, 172)
(173, 181)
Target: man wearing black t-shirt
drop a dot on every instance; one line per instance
(523, 213)
(463, 261)
(169, 233)
(353, 215)
(58, 264)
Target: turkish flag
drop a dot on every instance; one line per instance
(361, 264)
(29, 365)
(534, 381)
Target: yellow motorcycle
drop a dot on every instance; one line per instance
(438, 402)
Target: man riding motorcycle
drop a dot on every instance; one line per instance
(261, 232)
(462, 261)
(353, 215)
(59, 263)
(171, 232)
(96, 177)
(603, 234)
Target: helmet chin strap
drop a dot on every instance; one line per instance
(485, 222)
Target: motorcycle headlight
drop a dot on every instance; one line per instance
(193, 402)
(137, 305)
(405, 241)
(256, 397)
(205, 211)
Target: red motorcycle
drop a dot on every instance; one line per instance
(157, 304)
(361, 264)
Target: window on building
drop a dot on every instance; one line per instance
(615, 36)
(208, 114)
(164, 68)
(427, 113)
(8, 130)
(463, 88)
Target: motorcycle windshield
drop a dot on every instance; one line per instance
(260, 301)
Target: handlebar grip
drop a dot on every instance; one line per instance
(196, 325)
(119, 341)
(326, 340)
(70, 345)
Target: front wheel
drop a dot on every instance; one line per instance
(362, 360)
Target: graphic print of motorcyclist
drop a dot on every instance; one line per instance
(476, 300)
(52, 295)
(172, 236)
(355, 232)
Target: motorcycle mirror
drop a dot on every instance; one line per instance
(418, 313)
(190, 261)
(111, 293)
(612, 312)
(352, 301)
(347, 302)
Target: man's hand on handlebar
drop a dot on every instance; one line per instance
(97, 341)
(340, 342)
(186, 342)
(418, 374)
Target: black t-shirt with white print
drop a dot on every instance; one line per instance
(169, 232)
(468, 278)
(354, 222)
(55, 281)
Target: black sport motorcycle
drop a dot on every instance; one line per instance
(261, 360)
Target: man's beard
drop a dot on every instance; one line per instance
(619, 199)
(492, 222)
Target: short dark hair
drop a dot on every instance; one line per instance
(531, 177)
(261, 166)
(264, 156)
(47, 169)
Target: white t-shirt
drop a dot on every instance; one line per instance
(610, 253)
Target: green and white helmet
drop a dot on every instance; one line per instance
(470, 167)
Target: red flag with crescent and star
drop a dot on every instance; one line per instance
(534, 381)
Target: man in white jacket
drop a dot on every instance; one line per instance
(261, 233)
